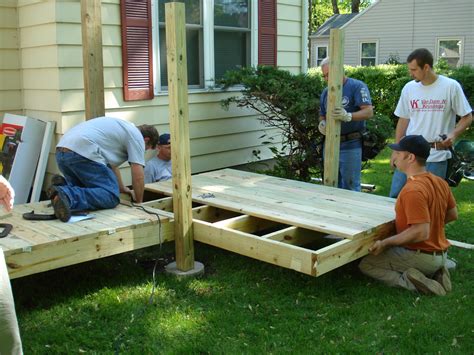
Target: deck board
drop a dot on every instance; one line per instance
(36, 246)
(324, 209)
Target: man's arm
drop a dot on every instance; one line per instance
(451, 215)
(413, 234)
(365, 112)
(122, 188)
(138, 181)
(400, 132)
(462, 125)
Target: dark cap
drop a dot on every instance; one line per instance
(164, 139)
(413, 144)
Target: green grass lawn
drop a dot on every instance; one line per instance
(245, 306)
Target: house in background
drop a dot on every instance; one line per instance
(41, 66)
(393, 28)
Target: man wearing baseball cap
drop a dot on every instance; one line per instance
(159, 167)
(416, 257)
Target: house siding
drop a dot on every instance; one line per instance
(10, 73)
(289, 32)
(400, 26)
(50, 51)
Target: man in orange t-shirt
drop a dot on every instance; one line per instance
(415, 258)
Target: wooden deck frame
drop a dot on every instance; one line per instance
(239, 233)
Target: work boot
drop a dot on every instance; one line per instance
(443, 277)
(58, 180)
(60, 203)
(424, 284)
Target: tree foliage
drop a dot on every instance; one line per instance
(323, 9)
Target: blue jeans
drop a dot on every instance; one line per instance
(90, 185)
(399, 179)
(350, 165)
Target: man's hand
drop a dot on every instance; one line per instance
(342, 115)
(392, 160)
(446, 143)
(377, 248)
(322, 127)
(7, 194)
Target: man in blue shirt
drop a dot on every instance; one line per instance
(356, 108)
(159, 167)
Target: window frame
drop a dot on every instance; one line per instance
(461, 48)
(207, 49)
(369, 41)
(316, 57)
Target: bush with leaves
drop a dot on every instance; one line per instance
(287, 102)
(290, 103)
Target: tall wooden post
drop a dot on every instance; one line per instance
(92, 58)
(333, 127)
(179, 125)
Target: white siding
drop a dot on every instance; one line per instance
(45, 37)
(400, 26)
(10, 74)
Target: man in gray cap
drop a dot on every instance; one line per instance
(159, 167)
(415, 258)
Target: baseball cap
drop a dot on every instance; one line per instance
(164, 139)
(414, 144)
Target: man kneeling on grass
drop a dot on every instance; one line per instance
(416, 257)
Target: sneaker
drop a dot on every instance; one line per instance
(58, 180)
(424, 284)
(443, 277)
(60, 203)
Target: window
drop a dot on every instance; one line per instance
(321, 53)
(368, 53)
(220, 36)
(450, 49)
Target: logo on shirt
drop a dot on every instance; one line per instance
(364, 95)
(431, 105)
(345, 101)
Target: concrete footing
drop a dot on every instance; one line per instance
(198, 270)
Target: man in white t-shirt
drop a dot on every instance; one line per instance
(89, 156)
(159, 167)
(428, 106)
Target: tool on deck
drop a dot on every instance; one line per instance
(7, 228)
(32, 216)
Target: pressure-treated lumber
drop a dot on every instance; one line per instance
(36, 246)
(284, 255)
(92, 58)
(343, 213)
(333, 127)
(179, 125)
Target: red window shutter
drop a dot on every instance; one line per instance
(267, 32)
(137, 50)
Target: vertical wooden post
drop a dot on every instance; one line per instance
(333, 127)
(92, 58)
(179, 125)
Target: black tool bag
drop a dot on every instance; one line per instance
(455, 170)
(370, 146)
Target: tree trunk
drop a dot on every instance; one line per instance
(355, 6)
(335, 8)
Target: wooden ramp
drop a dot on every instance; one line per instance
(36, 246)
(273, 219)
